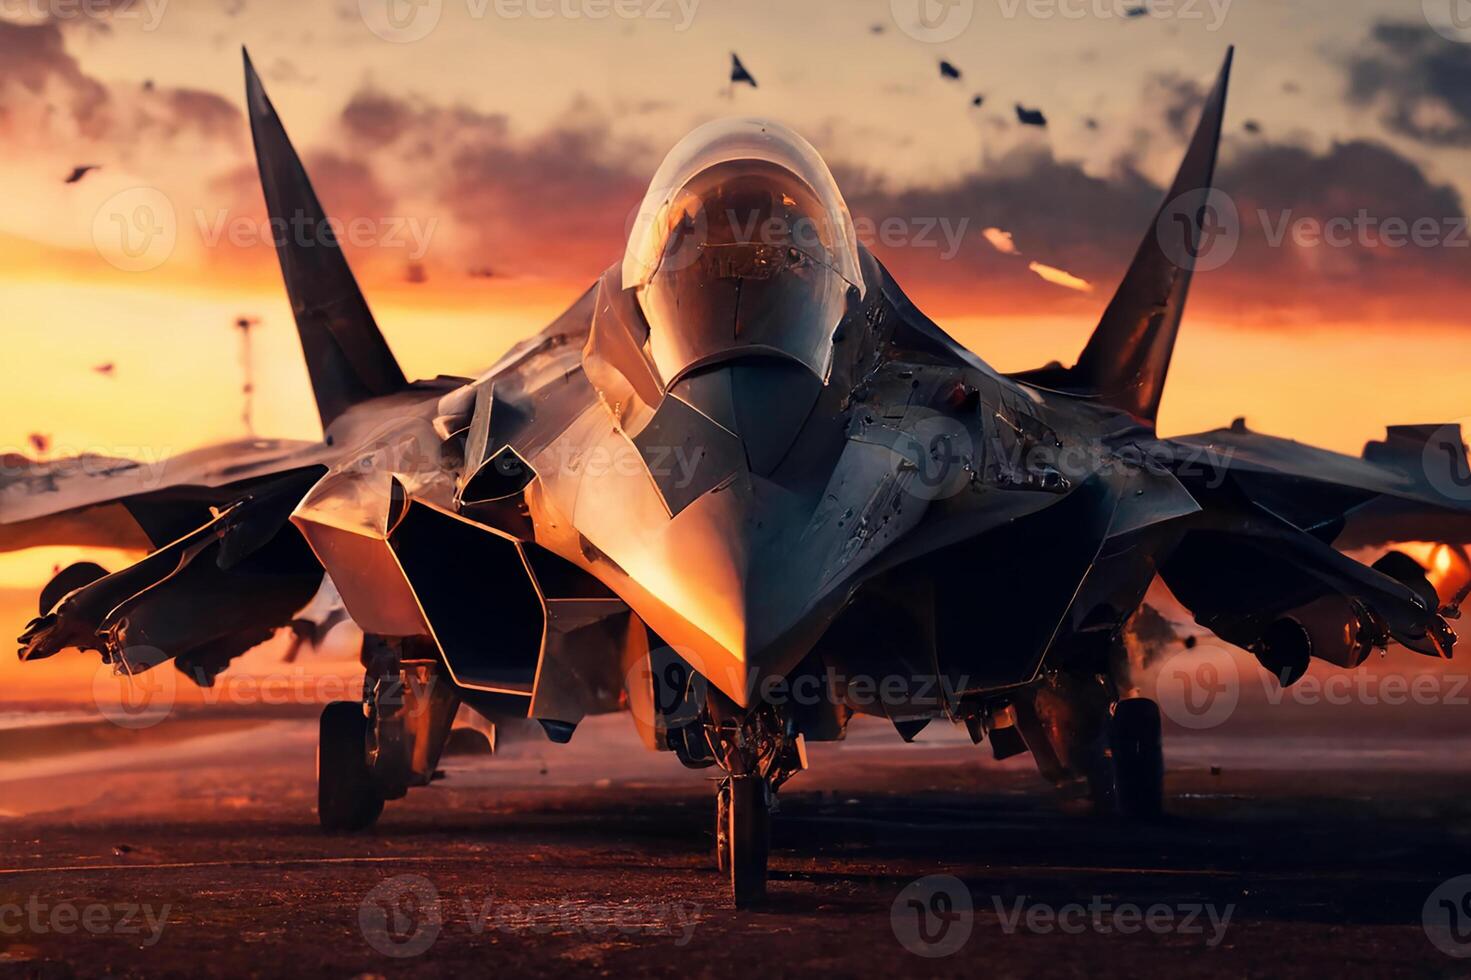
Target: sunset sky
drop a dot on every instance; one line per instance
(499, 157)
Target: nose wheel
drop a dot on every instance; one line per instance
(743, 836)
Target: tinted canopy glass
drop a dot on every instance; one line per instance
(743, 246)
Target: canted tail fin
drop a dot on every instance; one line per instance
(1126, 360)
(346, 357)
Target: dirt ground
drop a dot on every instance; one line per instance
(197, 853)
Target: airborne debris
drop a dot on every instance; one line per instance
(738, 73)
(1030, 117)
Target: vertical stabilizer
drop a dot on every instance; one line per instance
(1125, 362)
(346, 356)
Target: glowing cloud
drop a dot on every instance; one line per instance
(1000, 240)
(1060, 278)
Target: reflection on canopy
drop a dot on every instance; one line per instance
(743, 246)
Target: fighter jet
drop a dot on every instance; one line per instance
(744, 489)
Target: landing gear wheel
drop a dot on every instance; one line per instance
(1138, 758)
(722, 826)
(748, 840)
(347, 800)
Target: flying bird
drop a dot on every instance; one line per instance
(1090, 122)
(1030, 117)
(947, 70)
(79, 172)
(738, 72)
(105, 369)
(39, 441)
(977, 100)
(1252, 126)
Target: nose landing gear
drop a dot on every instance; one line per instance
(759, 753)
(743, 836)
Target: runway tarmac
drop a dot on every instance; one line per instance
(199, 855)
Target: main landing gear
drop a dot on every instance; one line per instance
(1136, 747)
(1094, 746)
(347, 800)
(374, 750)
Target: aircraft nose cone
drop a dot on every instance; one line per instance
(733, 581)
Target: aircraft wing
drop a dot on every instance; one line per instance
(99, 501)
(1414, 485)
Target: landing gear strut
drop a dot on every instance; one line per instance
(759, 752)
(374, 750)
(722, 826)
(1087, 743)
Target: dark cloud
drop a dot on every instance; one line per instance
(553, 204)
(1324, 234)
(45, 95)
(1177, 99)
(1057, 213)
(1419, 80)
(1367, 197)
(37, 71)
(557, 204)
